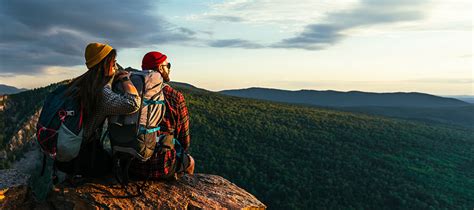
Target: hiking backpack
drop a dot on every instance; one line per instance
(165, 162)
(134, 135)
(59, 128)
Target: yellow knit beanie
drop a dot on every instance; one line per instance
(95, 52)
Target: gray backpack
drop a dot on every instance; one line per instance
(134, 136)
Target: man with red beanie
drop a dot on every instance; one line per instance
(175, 122)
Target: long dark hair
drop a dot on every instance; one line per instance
(87, 88)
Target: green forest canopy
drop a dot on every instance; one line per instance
(295, 157)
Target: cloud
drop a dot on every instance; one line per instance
(186, 31)
(368, 13)
(226, 18)
(38, 34)
(328, 26)
(235, 43)
(275, 12)
(314, 37)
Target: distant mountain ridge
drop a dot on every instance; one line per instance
(333, 98)
(6, 89)
(184, 85)
(466, 98)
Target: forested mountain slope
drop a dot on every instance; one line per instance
(301, 157)
(296, 157)
(6, 89)
(413, 106)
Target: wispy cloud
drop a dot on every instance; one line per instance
(314, 37)
(275, 12)
(235, 43)
(226, 18)
(368, 13)
(38, 34)
(329, 24)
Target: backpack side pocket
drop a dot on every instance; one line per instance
(68, 144)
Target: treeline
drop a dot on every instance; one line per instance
(294, 157)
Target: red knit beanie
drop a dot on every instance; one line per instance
(152, 60)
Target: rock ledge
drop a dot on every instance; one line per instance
(199, 191)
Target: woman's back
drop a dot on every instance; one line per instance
(111, 104)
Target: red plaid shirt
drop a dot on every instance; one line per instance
(176, 118)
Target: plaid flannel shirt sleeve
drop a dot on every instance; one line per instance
(182, 132)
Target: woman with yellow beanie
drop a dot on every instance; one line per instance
(92, 90)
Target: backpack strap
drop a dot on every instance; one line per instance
(97, 137)
(143, 130)
(179, 152)
(147, 102)
(81, 116)
(141, 104)
(55, 174)
(44, 164)
(121, 165)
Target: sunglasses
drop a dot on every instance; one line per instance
(168, 65)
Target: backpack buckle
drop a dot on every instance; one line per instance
(63, 114)
(70, 113)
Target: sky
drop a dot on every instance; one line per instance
(366, 45)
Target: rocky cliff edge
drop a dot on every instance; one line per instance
(199, 191)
